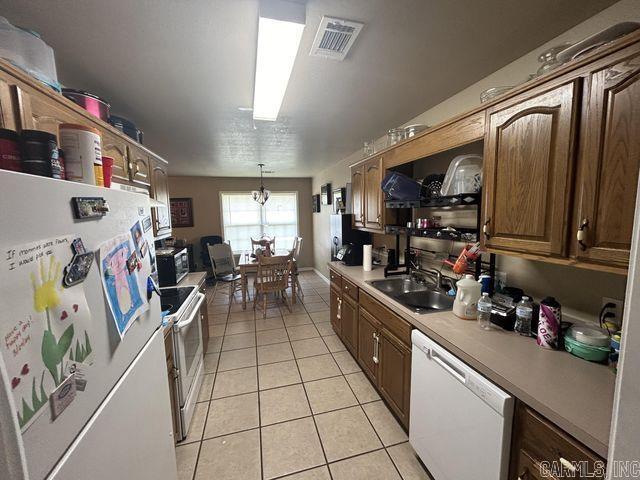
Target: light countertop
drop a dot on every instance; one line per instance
(193, 278)
(574, 394)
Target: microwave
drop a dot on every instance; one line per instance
(173, 265)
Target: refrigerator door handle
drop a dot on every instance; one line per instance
(194, 313)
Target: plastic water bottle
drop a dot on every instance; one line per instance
(484, 312)
(524, 313)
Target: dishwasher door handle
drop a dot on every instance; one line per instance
(454, 371)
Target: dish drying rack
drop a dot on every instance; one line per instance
(457, 234)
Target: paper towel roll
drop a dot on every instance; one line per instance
(367, 252)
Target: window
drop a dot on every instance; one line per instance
(243, 218)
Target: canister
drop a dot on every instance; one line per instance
(83, 153)
(10, 156)
(39, 152)
(549, 323)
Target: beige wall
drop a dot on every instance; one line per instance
(205, 192)
(579, 291)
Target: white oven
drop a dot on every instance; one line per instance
(188, 358)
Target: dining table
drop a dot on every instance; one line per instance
(247, 264)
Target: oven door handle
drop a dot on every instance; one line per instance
(194, 314)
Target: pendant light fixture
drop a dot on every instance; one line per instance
(261, 195)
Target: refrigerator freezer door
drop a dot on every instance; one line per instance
(36, 208)
(131, 434)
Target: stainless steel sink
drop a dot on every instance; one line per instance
(418, 296)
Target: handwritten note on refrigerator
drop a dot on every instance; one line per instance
(44, 324)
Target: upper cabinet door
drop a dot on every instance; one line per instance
(609, 163)
(7, 113)
(140, 166)
(373, 194)
(160, 191)
(527, 168)
(39, 112)
(116, 148)
(357, 195)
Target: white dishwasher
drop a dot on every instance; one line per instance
(460, 421)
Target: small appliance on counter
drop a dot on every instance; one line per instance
(350, 255)
(173, 265)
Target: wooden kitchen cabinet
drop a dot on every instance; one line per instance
(116, 148)
(539, 450)
(7, 113)
(335, 308)
(394, 374)
(528, 163)
(39, 112)
(357, 195)
(609, 161)
(140, 166)
(368, 328)
(161, 216)
(373, 195)
(384, 353)
(349, 323)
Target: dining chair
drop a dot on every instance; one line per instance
(224, 267)
(262, 242)
(272, 278)
(295, 252)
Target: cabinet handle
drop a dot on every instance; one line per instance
(485, 228)
(378, 219)
(339, 312)
(376, 348)
(581, 235)
(137, 168)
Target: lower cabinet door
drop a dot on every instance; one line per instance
(528, 469)
(367, 344)
(335, 301)
(394, 374)
(349, 324)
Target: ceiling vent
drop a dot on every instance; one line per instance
(334, 38)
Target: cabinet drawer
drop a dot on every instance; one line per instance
(336, 280)
(544, 442)
(349, 289)
(396, 325)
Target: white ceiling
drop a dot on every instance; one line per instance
(181, 68)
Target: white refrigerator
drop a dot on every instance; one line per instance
(100, 408)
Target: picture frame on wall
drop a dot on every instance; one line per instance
(339, 200)
(316, 203)
(325, 194)
(181, 212)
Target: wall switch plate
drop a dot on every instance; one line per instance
(618, 310)
(500, 280)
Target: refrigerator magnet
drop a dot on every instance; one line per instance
(78, 269)
(146, 223)
(132, 262)
(62, 396)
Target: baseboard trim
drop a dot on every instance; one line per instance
(306, 269)
(321, 275)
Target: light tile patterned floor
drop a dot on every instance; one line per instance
(283, 398)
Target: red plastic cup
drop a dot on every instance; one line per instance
(107, 167)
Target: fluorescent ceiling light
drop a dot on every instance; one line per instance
(278, 42)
